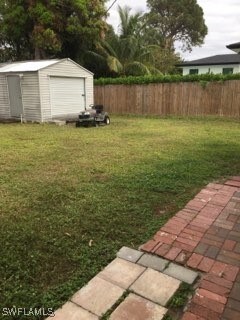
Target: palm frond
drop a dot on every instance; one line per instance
(96, 56)
(114, 64)
(137, 68)
(109, 49)
(154, 71)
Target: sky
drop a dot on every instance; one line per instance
(222, 18)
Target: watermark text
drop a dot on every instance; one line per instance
(28, 312)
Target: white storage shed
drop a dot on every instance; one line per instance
(44, 90)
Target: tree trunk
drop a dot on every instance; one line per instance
(37, 55)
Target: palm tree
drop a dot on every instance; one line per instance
(125, 53)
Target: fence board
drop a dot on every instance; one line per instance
(180, 99)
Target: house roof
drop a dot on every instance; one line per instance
(25, 66)
(234, 45)
(213, 60)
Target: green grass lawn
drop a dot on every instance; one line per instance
(71, 197)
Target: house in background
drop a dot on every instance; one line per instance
(234, 47)
(219, 64)
(44, 90)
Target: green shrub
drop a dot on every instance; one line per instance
(167, 79)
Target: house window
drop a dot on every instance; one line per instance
(227, 71)
(193, 71)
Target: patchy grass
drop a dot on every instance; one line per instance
(181, 297)
(107, 315)
(179, 301)
(63, 189)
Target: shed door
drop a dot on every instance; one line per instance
(15, 96)
(67, 95)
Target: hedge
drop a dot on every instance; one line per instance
(167, 79)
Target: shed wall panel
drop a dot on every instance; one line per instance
(65, 68)
(31, 96)
(4, 98)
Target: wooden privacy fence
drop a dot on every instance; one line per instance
(180, 99)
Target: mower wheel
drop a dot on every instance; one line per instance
(78, 124)
(107, 120)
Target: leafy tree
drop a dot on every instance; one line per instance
(50, 28)
(166, 60)
(177, 20)
(14, 40)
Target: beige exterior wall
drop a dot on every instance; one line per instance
(64, 68)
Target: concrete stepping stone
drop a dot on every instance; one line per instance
(138, 308)
(71, 311)
(121, 272)
(181, 273)
(129, 254)
(153, 262)
(156, 286)
(98, 296)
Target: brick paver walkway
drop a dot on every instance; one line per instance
(205, 236)
(202, 240)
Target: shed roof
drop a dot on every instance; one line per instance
(214, 60)
(25, 66)
(33, 65)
